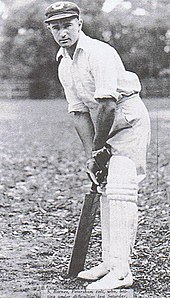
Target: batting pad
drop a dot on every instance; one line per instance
(105, 224)
(122, 229)
(122, 179)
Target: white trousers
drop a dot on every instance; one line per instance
(119, 214)
(130, 133)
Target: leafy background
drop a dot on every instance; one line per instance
(139, 30)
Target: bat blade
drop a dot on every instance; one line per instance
(83, 233)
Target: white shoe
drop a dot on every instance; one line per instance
(94, 273)
(110, 281)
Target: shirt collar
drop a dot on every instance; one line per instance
(82, 44)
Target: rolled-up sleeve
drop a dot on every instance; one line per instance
(103, 68)
(77, 107)
(74, 103)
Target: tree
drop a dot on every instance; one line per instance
(141, 40)
(25, 43)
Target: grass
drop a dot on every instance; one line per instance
(42, 187)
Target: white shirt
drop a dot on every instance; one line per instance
(96, 71)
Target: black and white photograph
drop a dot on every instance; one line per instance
(84, 148)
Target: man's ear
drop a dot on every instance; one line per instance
(80, 23)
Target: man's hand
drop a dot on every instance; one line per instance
(97, 166)
(102, 156)
(92, 170)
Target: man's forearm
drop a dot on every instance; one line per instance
(85, 129)
(104, 122)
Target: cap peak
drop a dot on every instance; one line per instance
(60, 10)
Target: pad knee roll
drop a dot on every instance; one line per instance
(122, 179)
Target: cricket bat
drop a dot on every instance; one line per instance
(83, 233)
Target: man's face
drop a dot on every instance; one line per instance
(66, 31)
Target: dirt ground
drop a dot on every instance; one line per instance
(42, 186)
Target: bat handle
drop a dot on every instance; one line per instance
(93, 187)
